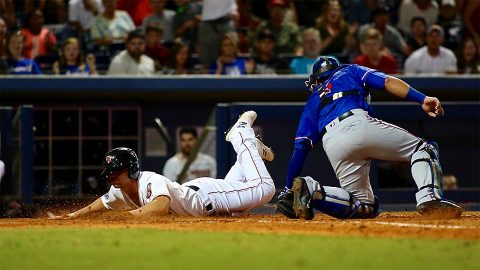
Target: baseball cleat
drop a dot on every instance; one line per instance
(440, 209)
(285, 204)
(265, 152)
(247, 118)
(301, 199)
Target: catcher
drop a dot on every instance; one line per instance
(248, 184)
(337, 113)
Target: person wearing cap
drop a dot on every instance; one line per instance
(449, 20)
(427, 9)
(393, 42)
(311, 49)
(432, 58)
(418, 34)
(265, 60)
(287, 34)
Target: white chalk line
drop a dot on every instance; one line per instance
(430, 226)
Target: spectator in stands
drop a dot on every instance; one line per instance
(266, 62)
(449, 182)
(470, 16)
(451, 23)
(228, 62)
(433, 58)
(132, 60)
(137, 9)
(468, 57)
(71, 60)
(337, 35)
(3, 35)
(186, 20)
(112, 26)
(39, 41)
(359, 11)
(392, 39)
(203, 165)
(287, 35)
(80, 17)
(427, 9)
(161, 18)
(154, 48)
(246, 24)
(17, 63)
(311, 49)
(179, 61)
(218, 18)
(417, 36)
(308, 12)
(7, 12)
(372, 56)
(53, 10)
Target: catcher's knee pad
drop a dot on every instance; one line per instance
(427, 172)
(338, 203)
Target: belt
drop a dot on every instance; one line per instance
(342, 117)
(208, 207)
(327, 100)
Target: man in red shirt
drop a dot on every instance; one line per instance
(138, 9)
(372, 56)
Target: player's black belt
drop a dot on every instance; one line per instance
(208, 207)
(342, 117)
(328, 100)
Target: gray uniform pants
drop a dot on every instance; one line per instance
(352, 143)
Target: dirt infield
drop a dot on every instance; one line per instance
(388, 224)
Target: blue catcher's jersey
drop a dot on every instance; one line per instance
(346, 78)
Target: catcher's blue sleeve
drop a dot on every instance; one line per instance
(296, 164)
(307, 135)
(372, 78)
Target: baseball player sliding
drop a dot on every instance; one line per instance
(337, 113)
(247, 185)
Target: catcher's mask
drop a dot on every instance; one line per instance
(321, 70)
(121, 158)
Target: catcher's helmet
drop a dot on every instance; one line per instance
(321, 70)
(121, 158)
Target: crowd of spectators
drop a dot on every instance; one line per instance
(236, 37)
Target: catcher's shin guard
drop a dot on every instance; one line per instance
(427, 172)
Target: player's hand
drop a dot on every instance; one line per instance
(432, 106)
(52, 216)
(90, 59)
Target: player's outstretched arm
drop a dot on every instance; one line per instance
(399, 88)
(158, 207)
(95, 206)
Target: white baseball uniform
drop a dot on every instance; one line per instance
(202, 166)
(247, 185)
